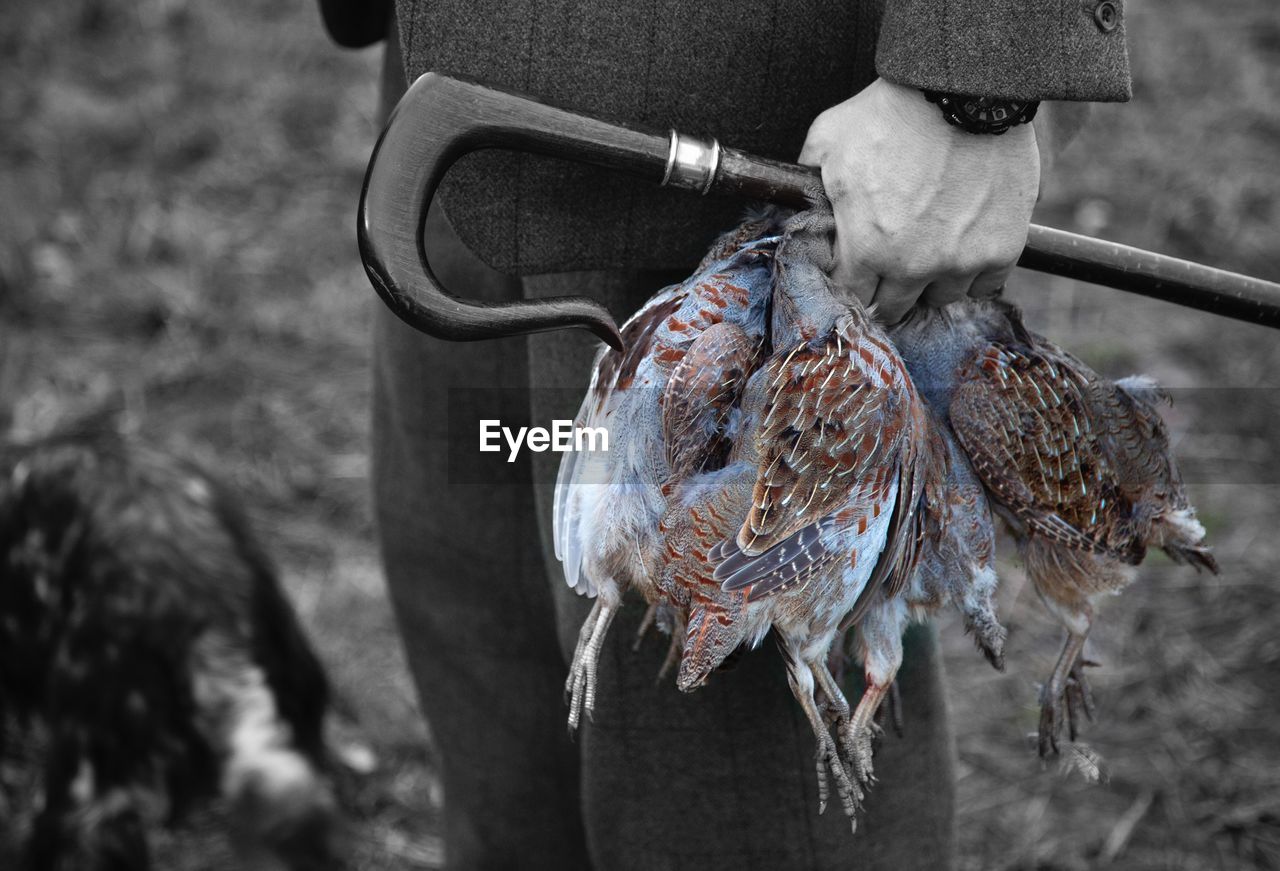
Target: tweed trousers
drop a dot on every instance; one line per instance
(720, 778)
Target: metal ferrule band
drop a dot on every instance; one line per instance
(691, 163)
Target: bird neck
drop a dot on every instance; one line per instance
(803, 317)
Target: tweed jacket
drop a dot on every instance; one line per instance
(753, 73)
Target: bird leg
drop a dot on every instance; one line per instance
(675, 648)
(836, 711)
(581, 684)
(1067, 688)
(801, 677)
(584, 635)
(1079, 695)
(646, 623)
(891, 709)
(862, 729)
(988, 635)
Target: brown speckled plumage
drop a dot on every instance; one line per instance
(669, 402)
(815, 515)
(1082, 469)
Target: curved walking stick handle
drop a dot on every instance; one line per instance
(438, 120)
(441, 118)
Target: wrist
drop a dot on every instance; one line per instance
(982, 115)
(905, 108)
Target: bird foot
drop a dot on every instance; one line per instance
(576, 690)
(828, 758)
(1071, 696)
(859, 750)
(860, 732)
(580, 686)
(834, 708)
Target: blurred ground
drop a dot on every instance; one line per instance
(177, 191)
(176, 235)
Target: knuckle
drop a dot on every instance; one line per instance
(945, 292)
(822, 128)
(994, 258)
(995, 265)
(915, 274)
(969, 267)
(919, 275)
(901, 266)
(837, 186)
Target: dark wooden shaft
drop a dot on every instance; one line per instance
(1194, 285)
(441, 118)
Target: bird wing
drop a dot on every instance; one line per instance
(701, 398)
(916, 520)
(832, 421)
(1022, 417)
(580, 479)
(656, 339)
(1135, 438)
(787, 565)
(831, 442)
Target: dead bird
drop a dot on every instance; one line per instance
(1081, 469)
(956, 567)
(669, 404)
(815, 513)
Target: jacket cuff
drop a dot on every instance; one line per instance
(1008, 49)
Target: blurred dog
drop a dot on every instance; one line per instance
(145, 638)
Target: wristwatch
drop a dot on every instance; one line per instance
(982, 114)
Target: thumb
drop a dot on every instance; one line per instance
(812, 153)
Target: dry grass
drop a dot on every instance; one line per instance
(178, 184)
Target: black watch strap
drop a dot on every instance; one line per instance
(982, 114)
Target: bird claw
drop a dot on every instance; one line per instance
(859, 733)
(860, 751)
(1071, 696)
(828, 757)
(580, 686)
(579, 690)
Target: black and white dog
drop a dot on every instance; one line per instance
(145, 637)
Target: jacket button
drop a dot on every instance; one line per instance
(1106, 15)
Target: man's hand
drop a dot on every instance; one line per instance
(923, 210)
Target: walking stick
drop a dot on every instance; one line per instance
(442, 118)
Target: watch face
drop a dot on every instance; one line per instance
(990, 112)
(982, 114)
